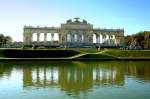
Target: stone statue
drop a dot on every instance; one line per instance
(77, 20)
(84, 21)
(69, 21)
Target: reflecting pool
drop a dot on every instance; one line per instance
(75, 80)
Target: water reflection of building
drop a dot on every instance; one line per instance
(76, 76)
(72, 78)
(108, 75)
(40, 76)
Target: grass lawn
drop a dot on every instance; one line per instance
(96, 56)
(128, 53)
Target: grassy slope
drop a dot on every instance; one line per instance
(96, 56)
(116, 53)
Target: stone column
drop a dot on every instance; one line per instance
(60, 38)
(52, 37)
(101, 38)
(78, 38)
(97, 38)
(104, 38)
(67, 37)
(90, 39)
(38, 37)
(75, 38)
(114, 39)
(45, 37)
(72, 38)
(86, 38)
(107, 38)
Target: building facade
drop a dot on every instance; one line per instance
(73, 33)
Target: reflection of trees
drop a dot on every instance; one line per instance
(5, 69)
(138, 70)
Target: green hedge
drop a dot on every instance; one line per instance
(15, 53)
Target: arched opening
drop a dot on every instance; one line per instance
(107, 36)
(97, 38)
(41, 38)
(34, 37)
(68, 37)
(113, 36)
(75, 38)
(94, 38)
(48, 37)
(56, 36)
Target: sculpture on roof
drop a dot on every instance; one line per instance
(84, 21)
(69, 21)
(77, 20)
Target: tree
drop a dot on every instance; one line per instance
(1, 39)
(141, 39)
(5, 39)
(128, 40)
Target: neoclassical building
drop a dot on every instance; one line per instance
(73, 33)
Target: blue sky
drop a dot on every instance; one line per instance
(132, 15)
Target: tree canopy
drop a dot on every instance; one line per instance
(5, 39)
(139, 39)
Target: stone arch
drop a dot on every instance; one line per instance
(48, 37)
(56, 36)
(94, 38)
(41, 37)
(68, 37)
(34, 37)
(75, 38)
(107, 36)
(113, 36)
(82, 38)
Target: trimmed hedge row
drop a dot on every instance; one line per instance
(15, 53)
